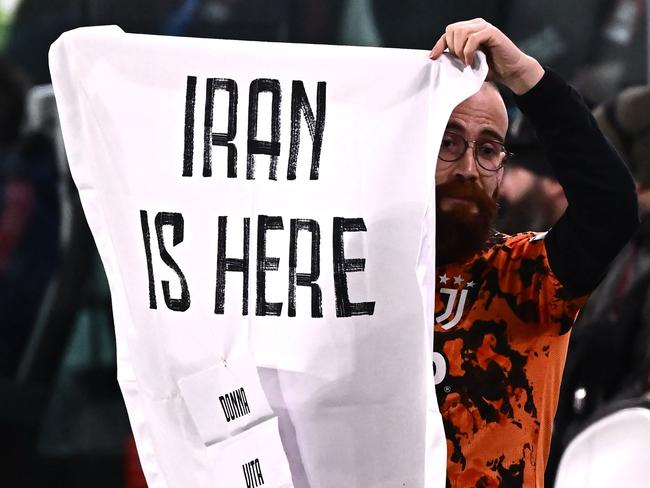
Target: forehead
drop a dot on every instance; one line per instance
(484, 113)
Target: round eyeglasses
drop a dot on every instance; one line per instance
(489, 155)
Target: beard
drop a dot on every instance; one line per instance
(463, 229)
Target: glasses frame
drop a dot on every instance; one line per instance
(504, 150)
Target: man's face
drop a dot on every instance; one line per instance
(529, 201)
(465, 192)
(523, 203)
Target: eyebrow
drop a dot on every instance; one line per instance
(486, 132)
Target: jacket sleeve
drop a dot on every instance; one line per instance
(602, 211)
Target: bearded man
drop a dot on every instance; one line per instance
(505, 305)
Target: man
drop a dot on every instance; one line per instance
(505, 305)
(530, 198)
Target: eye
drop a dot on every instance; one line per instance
(489, 149)
(449, 141)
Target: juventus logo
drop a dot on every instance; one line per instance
(456, 300)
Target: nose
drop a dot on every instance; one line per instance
(466, 167)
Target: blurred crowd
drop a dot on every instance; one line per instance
(61, 413)
(608, 363)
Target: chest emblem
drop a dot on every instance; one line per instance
(457, 298)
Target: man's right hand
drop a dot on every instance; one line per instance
(508, 64)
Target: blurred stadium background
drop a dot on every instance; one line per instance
(62, 419)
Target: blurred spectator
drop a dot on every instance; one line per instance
(618, 52)
(600, 45)
(530, 198)
(609, 353)
(29, 220)
(558, 33)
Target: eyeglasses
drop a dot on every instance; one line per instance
(490, 155)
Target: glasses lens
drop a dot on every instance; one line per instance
(452, 147)
(490, 155)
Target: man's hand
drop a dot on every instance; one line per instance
(508, 64)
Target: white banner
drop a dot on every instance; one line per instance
(264, 215)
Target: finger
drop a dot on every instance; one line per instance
(449, 34)
(458, 32)
(474, 41)
(460, 39)
(455, 37)
(473, 24)
(439, 47)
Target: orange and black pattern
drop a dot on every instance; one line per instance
(502, 327)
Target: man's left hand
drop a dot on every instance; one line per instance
(508, 64)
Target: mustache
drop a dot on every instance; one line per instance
(464, 189)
